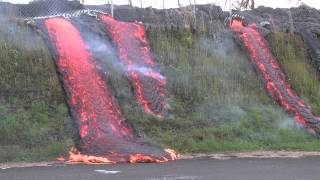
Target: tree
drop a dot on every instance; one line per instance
(251, 3)
(247, 4)
(241, 3)
(298, 2)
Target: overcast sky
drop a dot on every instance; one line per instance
(173, 3)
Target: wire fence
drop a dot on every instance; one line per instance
(35, 8)
(40, 8)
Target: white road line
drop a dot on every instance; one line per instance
(107, 172)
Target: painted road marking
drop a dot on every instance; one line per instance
(107, 172)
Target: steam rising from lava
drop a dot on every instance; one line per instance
(134, 52)
(274, 78)
(105, 136)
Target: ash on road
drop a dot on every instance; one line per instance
(307, 168)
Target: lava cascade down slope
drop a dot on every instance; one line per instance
(104, 135)
(274, 79)
(133, 49)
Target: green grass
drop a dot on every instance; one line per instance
(34, 134)
(34, 121)
(262, 128)
(292, 57)
(217, 101)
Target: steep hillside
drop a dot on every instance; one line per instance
(217, 100)
(34, 119)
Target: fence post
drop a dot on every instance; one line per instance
(111, 8)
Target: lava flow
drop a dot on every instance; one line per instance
(274, 78)
(104, 135)
(134, 52)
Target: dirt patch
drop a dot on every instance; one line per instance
(256, 154)
(27, 164)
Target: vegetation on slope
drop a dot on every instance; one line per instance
(217, 101)
(34, 121)
(292, 56)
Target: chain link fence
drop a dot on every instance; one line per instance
(47, 7)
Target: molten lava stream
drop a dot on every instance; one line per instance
(134, 52)
(105, 138)
(275, 80)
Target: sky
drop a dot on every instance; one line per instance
(173, 3)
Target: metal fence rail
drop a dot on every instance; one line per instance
(42, 8)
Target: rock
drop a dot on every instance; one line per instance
(303, 21)
(306, 23)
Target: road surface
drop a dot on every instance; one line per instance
(193, 169)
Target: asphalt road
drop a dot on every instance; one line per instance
(202, 169)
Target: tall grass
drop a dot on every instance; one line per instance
(294, 61)
(217, 101)
(33, 116)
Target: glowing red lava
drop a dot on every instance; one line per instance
(275, 80)
(134, 52)
(105, 137)
(76, 157)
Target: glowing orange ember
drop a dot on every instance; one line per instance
(76, 157)
(138, 158)
(173, 154)
(60, 158)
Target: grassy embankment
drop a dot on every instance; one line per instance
(34, 120)
(294, 62)
(217, 103)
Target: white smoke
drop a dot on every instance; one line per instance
(108, 54)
